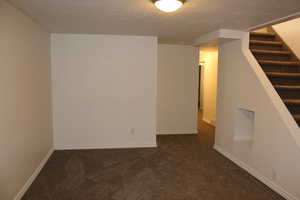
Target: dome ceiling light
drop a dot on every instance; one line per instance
(168, 5)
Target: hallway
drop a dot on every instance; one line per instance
(184, 167)
(205, 128)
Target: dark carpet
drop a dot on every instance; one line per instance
(184, 167)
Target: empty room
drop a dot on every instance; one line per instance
(149, 100)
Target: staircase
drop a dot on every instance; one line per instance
(281, 66)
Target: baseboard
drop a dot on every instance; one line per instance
(33, 176)
(96, 146)
(176, 132)
(257, 175)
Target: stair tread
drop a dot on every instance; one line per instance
(283, 74)
(270, 51)
(291, 101)
(297, 117)
(262, 34)
(288, 87)
(275, 62)
(266, 42)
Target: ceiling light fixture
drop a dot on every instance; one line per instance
(168, 5)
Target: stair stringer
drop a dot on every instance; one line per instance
(273, 156)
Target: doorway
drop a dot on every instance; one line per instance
(208, 75)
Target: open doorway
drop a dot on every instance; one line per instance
(208, 75)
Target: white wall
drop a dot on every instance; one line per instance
(289, 31)
(209, 60)
(104, 91)
(273, 154)
(177, 104)
(25, 116)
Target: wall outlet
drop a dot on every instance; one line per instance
(132, 131)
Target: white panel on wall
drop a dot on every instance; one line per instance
(104, 91)
(244, 125)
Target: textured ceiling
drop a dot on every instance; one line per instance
(140, 17)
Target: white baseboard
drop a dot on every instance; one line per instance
(176, 132)
(271, 184)
(96, 146)
(33, 176)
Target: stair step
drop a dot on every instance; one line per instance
(262, 42)
(262, 34)
(297, 117)
(287, 87)
(282, 69)
(275, 62)
(291, 101)
(283, 75)
(259, 51)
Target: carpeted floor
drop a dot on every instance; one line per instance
(184, 167)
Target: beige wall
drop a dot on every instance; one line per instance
(178, 73)
(104, 91)
(209, 60)
(289, 31)
(25, 117)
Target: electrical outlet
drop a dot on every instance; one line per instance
(132, 131)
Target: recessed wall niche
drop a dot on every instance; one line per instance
(244, 125)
